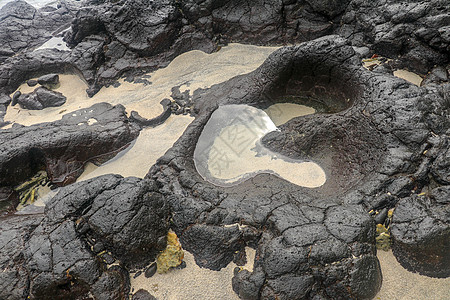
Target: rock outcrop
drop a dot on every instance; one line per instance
(63, 147)
(57, 255)
(41, 98)
(382, 142)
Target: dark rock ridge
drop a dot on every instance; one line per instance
(48, 80)
(167, 111)
(415, 30)
(64, 146)
(41, 98)
(110, 38)
(49, 256)
(26, 27)
(382, 142)
(421, 232)
(8, 200)
(313, 243)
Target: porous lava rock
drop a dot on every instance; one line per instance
(381, 141)
(421, 232)
(41, 98)
(63, 147)
(48, 80)
(112, 38)
(370, 132)
(27, 27)
(49, 256)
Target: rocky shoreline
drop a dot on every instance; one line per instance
(383, 143)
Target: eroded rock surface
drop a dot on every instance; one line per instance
(49, 256)
(111, 38)
(28, 27)
(310, 242)
(382, 142)
(41, 98)
(64, 146)
(421, 232)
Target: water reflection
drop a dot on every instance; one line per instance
(229, 150)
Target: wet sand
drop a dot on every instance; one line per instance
(192, 282)
(281, 113)
(400, 73)
(408, 76)
(191, 70)
(400, 284)
(150, 145)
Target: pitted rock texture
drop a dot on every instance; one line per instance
(421, 233)
(49, 256)
(147, 35)
(64, 146)
(83, 60)
(380, 139)
(26, 27)
(310, 243)
(112, 38)
(41, 98)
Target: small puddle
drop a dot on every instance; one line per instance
(281, 113)
(400, 73)
(54, 43)
(229, 149)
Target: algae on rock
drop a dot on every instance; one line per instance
(383, 238)
(27, 190)
(172, 256)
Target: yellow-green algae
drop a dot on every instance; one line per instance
(27, 190)
(172, 256)
(383, 238)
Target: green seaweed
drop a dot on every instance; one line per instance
(27, 190)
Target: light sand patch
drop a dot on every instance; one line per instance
(192, 70)
(280, 113)
(74, 88)
(192, 282)
(408, 76)
(400, 284)
(369, 63)
(404, 74)
(150, 145)
(228, 150)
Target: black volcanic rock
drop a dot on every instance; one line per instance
(381, 141)
(49, 98)
(369, 136)
(62, 147)
(113, 284)
(41, 98)
(25, 27)
(104, 47)
(48, 80)
(47, 257)
(300, 234)
(14, 232)
(421, 233)
(8, 200)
